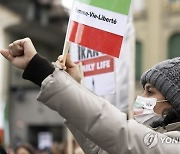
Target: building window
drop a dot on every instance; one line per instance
(173, 5)
(138, 60)
(174, 46)
(171, 1)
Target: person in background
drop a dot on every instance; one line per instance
(24, 149)
(58, 148)
(77, 149)
(2, 149)
(98, 126)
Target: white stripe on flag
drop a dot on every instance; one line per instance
(99, 18)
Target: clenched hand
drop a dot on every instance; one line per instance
(20, 52)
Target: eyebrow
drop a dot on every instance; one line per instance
(149, 86)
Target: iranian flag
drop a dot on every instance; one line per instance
(99, 24)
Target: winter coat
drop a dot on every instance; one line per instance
(98, 126)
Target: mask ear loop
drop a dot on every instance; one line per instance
(162, 101)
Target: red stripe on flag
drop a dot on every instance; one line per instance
(95, 39)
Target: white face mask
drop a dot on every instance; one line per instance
(143, 110)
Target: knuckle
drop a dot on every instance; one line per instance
(27, 39)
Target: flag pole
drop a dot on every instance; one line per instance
(65, 51)
(69, 142)
(66, 42)
(131, 66)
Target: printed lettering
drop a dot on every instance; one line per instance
(103, 64)
(85, 53)
(97, 16)
(88, 67)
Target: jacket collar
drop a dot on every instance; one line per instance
(173, 127)
(170, 127)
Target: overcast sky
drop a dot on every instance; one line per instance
(67, 3)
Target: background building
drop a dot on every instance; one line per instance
(157, 25)
(44, 21)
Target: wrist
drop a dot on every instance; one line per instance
(38, 69)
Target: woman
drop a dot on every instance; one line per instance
(97, 125)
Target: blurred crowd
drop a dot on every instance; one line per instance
(27, 148)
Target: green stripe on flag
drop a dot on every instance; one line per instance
(119, 6)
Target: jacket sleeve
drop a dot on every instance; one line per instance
(98, 120)
(38, 69)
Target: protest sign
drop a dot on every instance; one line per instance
(120, 83)
(98, 69)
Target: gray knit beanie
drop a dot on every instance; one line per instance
(165, 77)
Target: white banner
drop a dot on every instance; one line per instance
(98, 69)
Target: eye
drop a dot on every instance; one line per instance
(148, 91)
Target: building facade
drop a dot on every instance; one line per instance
(26, 119)
(157, 33)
